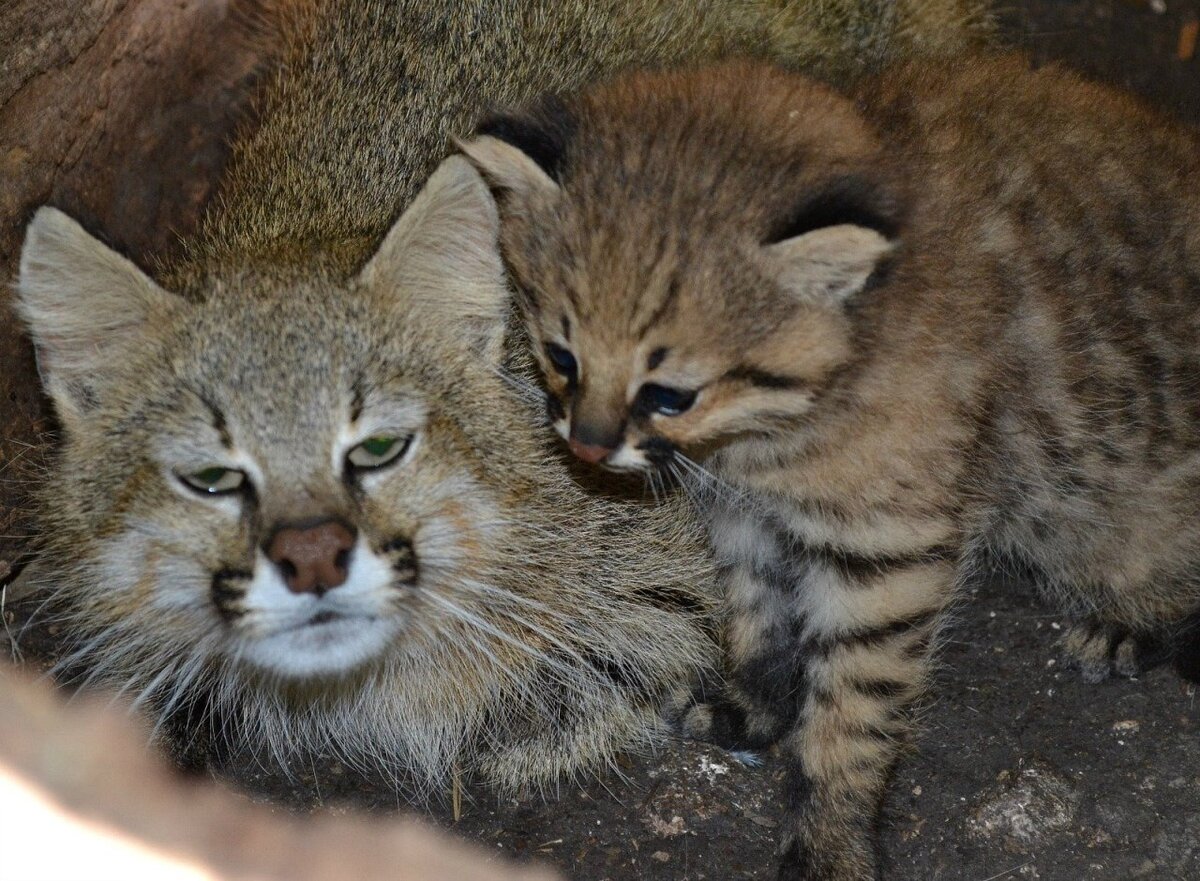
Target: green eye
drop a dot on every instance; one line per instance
(215, 480)
(375, 452)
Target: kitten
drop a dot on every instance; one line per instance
(953, 311)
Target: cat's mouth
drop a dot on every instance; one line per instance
(327, 644)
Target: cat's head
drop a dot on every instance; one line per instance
(687, 249)
(317, 499)
(279, 470)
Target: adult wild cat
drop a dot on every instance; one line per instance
(294, 496)
(953, 311)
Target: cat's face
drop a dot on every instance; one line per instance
(284, 473)
(685, 277)
(662, 364)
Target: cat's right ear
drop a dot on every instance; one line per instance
(87, 308)
(523, 153)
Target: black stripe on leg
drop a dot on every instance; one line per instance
(862, 568)
(871, 636)
(880, 689)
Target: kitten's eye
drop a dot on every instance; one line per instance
(653, 398)
(563, 361)
(215, 481)
(375, 452)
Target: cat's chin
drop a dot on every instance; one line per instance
(322, 648)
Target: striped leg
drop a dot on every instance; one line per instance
(765, 687)
(870, 625)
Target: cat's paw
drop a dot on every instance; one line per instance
(800, 862)
(1098, 650)
(720, 723)
(728, 725)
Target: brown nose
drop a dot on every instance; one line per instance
(312, 558)
(588, 452)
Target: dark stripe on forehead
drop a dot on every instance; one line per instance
(527, 298)
(660, 310)
(763, 378)
(574, 298)
(218, 421)
(356, 400)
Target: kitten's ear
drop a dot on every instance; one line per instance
(88, 309)
(525, 152)
(830, 264)
(508, 168)
(442, 257)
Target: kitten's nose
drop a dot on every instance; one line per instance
(588, 452)
(313, 557)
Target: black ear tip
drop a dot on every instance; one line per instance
(850, 199)
(543, 132)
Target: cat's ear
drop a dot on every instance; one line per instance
(507, 168)
(442, 259)
(88, 309)
(524, 153)
(830, 264)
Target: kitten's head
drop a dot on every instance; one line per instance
(688, 248)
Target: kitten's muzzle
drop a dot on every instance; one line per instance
(312, 557)
(592, 443)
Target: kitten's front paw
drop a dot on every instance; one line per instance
(720, 723)
(728, 725)
(1098, 649)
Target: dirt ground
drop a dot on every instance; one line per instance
(1023, 772)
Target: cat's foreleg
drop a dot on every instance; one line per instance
(868, 635)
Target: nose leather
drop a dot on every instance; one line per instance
(588, 452)
(312, 558)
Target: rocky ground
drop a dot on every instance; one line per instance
(1023, 772)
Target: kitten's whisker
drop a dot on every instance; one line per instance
(525, 389)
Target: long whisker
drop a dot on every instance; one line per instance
(525, 389)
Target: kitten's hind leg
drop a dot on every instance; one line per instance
(1098, 648)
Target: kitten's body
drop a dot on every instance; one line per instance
(953, 313)
(492, 618)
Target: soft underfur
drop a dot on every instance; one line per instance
(950, 314)
(494, 618)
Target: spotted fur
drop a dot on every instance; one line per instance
(950, 313)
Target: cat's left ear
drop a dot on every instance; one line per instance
(828, 265)
(524, 153)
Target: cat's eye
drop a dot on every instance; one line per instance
(215, 480)
(375, 452)
(653, 398)
(564, 362)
